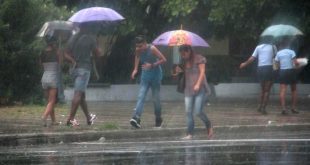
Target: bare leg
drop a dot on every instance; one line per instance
(46, 94)
(294, 96)
(75, 104)
(261, 97)
(267, 87)
(85, 108)
(282, 95)
(52, 114)
(52, 93)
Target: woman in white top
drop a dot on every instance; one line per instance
(286, 59)
(264, 53)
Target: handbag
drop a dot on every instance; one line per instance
(275, 65)
(181, 83)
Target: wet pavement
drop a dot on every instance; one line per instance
(166, 151)
(116, 115)
(242, 136)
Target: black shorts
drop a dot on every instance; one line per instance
(287, 76)
(265, 73)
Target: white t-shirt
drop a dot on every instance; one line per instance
(285, 57)
(264, 53)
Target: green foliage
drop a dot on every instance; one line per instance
(107, 126)
(232, 19)
(19, 48)
(241, 21)
(178, 8)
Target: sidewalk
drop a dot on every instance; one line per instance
(113, 117)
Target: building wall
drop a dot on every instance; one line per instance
(168, 92)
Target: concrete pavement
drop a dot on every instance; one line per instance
(113, 122)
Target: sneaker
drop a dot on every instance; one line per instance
(158, 122)
(295, 111)
(135, 122)
(73, 123)
(284, 112)
(92, 119)
(188, 137)
(263, 111)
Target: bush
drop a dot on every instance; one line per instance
(20, 72)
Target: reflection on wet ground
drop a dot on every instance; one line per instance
(242, 136)
(196, 152)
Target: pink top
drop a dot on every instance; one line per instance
(192, 75)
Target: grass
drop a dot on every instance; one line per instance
(107, 126)
(27, 118)
(29, 111)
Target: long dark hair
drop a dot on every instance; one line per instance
(50, 40)
(188, 48)
(140, 39)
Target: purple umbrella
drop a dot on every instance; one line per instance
(94, 14)
(180, 37)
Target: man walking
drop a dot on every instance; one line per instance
(151, 59)
(81, 47)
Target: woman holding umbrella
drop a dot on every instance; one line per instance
(61, 31)
(195, 89)
(49, 58)
(264, 53)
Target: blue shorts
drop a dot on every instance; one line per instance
(81, 79)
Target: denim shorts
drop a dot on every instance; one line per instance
(49, 80)
(81, 79)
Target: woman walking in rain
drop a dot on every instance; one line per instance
(195, 89)
(286, 58)
(49, 59)
(264, 53)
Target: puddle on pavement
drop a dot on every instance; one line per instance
(259, 153)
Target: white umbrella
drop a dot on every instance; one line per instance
(281, 30)
(52, 26)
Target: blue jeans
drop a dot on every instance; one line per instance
(144, 87)
(195, 104)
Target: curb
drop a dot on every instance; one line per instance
(119, 135)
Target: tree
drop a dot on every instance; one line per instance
(19, 49)
(241, 21)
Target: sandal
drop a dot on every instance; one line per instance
(295, 111)
(210, 132)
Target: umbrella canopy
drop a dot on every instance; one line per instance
(180, 37)
(51, 27)
(94, 14)
(281, 30)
